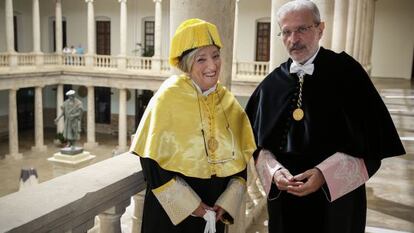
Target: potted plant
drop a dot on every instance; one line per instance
(59, 140)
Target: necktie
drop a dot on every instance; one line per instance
(301, 69)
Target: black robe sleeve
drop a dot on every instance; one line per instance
(154, 175)
(370, 131)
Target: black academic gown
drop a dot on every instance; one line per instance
(343, 113)
(156, 220)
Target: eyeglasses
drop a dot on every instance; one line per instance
(299, 30)
(209, 157)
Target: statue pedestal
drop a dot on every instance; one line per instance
(64, 163)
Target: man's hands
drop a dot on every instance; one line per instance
(301, 184)
(283, 179)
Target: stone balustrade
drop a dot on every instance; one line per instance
(26, 59)
(139, 63)
(4, 60)
(252, 68)
(69, 203)
(20, 70)
(245, 71)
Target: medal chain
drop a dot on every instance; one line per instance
(301, 79)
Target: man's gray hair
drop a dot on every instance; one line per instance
(298, 5)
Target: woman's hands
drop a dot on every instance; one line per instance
(219, 212)
(201, 211)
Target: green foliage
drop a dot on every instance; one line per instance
(59, 136)
(148, 52)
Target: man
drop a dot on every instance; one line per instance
(80, 50)
(321, 129)
(72, 112)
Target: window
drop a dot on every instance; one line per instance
(263, 41)
(103, 37)
(149, 38)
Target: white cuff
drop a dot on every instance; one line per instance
(266, 167)
(343, 174)
(177, 198)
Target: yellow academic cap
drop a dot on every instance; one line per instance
(191, 34)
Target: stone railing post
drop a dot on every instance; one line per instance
(110, 219)
(138, 211)
(101, 189)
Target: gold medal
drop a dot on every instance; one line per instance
(298, 114)
(212, 144)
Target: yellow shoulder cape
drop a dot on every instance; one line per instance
(170, 131)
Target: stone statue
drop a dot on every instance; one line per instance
(72, 113)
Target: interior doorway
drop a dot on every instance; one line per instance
(64, 41)
(103, 105)
(25, 108)
(141, 102)
(16, 46)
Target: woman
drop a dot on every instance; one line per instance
(194, 141)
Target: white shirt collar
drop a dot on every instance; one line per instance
(207, 92)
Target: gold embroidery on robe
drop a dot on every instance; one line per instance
(231, 199)
(177, 198)
(170, 131)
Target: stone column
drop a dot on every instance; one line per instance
(39, 140)
(350, 31)
(123, 35)
(36, 32)
(58, 27)
(358, 30)
(339, 25)
(326, 9)
(36, 26)
(364, 32)
(278, 53)
(156, 59)
(91, 34)
(58, 30)
(218, 12)
(9, 26)
(59, 103)
(110, 219)
(90, 135)
(369, 38)
(122, 130)
(13, 126)
(236, 31)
